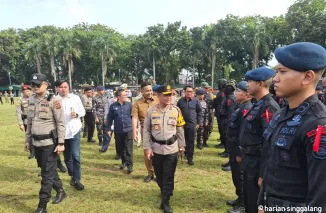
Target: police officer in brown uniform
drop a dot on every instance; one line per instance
(139, 110)
(163, 139)
(21, 112)
(46, 126)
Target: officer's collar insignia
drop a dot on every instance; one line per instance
(296, 120)
(285, 155)
(34, 77)
(281, 142)
(303, 108)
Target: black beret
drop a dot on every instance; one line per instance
(200, 92)
(302, 56)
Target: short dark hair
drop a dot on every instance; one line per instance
(188, 86)
(144, 84)
(119, 91)
(59, 82)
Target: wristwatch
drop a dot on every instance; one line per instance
(61, 144)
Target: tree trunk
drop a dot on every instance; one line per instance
(213, 63)
(104, 68)
(154, 66)
(53, 67)
(38, 63)
(69, 73)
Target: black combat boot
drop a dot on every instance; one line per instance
(100, 143)
(165, 205)
(61, 194)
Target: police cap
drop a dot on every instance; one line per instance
(200, 92)
(38, 78)
(165, 90)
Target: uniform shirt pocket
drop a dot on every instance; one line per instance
(286, 152)
(44, 113)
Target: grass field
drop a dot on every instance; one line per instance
(203, 187)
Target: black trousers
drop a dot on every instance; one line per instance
(90, 124)
(164, 168)
(223, 133)
(190, 133)
(250, 191)
(124, 143)
(47, 160)
(1, 100)
(237, 173)
(12, 101)
(219, 126)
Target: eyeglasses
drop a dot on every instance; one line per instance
(36, 85)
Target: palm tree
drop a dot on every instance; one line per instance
(69, 47)
(104, 46)
(32, 52)
(49, 44)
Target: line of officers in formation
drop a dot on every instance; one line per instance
(272, 127)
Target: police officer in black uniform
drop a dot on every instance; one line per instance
(295, 174)
(320, 94)
(217, 105)
(281, 101)
(227, 107)
(251, 136)
(244, 101)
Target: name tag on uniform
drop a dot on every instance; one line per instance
(156, 121)
(44, 109)
(31, 108)
(44, 104)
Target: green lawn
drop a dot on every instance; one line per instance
(201, 188)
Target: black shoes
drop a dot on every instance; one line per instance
(117, 157)
(62, 168)
(40, 210)
(224, 154)
(77, 184)
(226, 168)
(61, 194)
(236, 202)
(148, 178)
(190, 162)
(129, 169)
(165, 206)
(122, 166)
(219, 146)
(102, 150)
(85, 135)
(200, 146)
(91, 141)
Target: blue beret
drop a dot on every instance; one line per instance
(302, 56)
(318, 87)
(99, 88)
(242, 85)
(260, 74)
(155, 87)
(200, 92)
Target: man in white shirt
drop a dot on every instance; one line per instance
(73, 110)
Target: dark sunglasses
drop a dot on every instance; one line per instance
(36, 85)
(166, 95)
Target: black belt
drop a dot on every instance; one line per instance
(251, 150)
(89, 110)
(41, 137)
(169, 141)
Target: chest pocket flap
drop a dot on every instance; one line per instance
(286, 152)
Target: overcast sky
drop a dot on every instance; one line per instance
(130, 16)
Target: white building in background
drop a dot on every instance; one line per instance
(185, 77)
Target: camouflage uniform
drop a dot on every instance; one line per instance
(203, 130)
(99, 103)
(209, 98)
